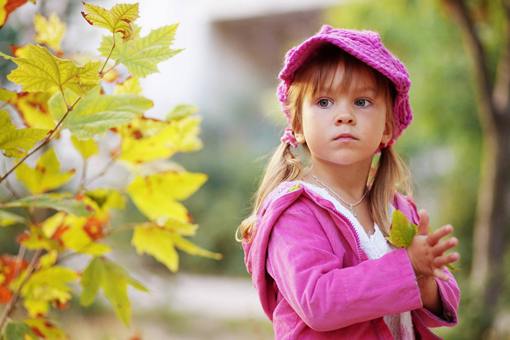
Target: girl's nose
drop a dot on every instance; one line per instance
(344, 116)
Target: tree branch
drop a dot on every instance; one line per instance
(461, 13)
(501, 96)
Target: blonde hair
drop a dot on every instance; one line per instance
(313, 77)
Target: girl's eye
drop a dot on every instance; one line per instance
(362, 102)
(324, 103)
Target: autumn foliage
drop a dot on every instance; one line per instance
(84, 100)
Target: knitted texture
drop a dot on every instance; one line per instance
(363, 45)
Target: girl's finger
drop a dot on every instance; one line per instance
(439, 273)
(423, 225)
(433, 238)
(445, 259)
(441, 247)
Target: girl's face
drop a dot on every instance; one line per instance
(357, 109)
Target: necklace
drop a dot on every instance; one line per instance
(351, 206)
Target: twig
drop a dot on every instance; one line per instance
(102, 173)
(45, 141)
(83, 175)
(12, 302)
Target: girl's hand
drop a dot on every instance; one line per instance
(427, 253)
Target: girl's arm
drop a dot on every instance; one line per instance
(325, 294)
(441, 301)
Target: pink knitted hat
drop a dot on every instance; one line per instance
(363, 45)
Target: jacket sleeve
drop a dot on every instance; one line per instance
(449, 293)
(326, 295)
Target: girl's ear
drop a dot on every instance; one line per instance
(387, 134)
(300, 137)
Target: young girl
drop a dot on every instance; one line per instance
(316, 244)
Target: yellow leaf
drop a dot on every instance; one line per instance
(16, 142)
(47, 285)
(145, 140)
(157, 242)
(192, 249)
(49, 32)
(47, 328)
(129, 86)
(86, 147)
(103, 200)
(156, 195)
(33, 109)
(52, 223)
(117, 20)
(39, 70)
(75, 238)
(6, 95)
(35, 239)
(48, 259)
(45, 176)
(161, 243)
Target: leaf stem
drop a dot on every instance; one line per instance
(45, 141)
(101, 74)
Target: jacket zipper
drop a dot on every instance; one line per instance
(351, 224)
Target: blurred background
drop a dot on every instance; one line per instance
(233, 52)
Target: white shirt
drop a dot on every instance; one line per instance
(374, 246)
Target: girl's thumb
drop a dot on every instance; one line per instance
(423, 226)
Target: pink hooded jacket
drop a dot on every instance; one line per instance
(315, 282)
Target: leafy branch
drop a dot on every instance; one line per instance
(45, 141)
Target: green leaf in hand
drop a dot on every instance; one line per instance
(402, 231)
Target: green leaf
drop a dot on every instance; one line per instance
(141, 55)
(45, 176)
(402, 231)
(7, 218)
(63, 202)
(96, 113)
(182, 111)
(117, 20)
(18, 331)
(114, 280)
(91, 281)
(16, 142)
(39, 70)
